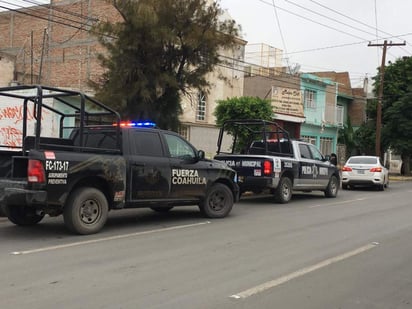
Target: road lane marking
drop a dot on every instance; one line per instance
(93, 241)
(338, 203)
(301, 272)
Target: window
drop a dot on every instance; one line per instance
(184, 131)
(310, 98)
(326, 145)
(201, 107)
(316, 155)
(309, 139)
(147, 143)
(304, 151)
(179, 148)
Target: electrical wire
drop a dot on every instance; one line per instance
(319, 23)
(281, 32)
(83, 29)
(81, 26)
(360, 22)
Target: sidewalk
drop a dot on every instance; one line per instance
(400, 178)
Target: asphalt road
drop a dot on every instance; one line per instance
(350, 252)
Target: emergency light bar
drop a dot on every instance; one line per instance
(144, 124)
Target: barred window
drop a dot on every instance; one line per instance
(326, 144)
(309, 139)
(184, 131)
(310, 98)
(201, 107)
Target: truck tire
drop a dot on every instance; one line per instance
(218, 201)
(86, 211)
(332, 188)
(283, 193)
(22, 215)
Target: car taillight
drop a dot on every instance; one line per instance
(346, 169)
(376, 169)
(35, 172)
(267, 167)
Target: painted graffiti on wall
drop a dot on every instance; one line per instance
(11, 122)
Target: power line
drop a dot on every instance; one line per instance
(327, 17)
(313, 21)
(357, 21)
(83, 29)
(34, 13)
(280, 31)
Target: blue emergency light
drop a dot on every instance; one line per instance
(143, 124)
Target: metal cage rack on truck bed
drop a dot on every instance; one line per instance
(70, 112)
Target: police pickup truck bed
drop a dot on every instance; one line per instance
(93, 163)
(266, 159)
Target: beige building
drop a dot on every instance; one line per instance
(198, 121)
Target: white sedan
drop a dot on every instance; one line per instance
(365, 171)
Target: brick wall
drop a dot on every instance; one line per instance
(357, 110)
(69, 53)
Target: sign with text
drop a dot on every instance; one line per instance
(287, 101)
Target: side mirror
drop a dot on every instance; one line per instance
(200, 154)
(333, 159)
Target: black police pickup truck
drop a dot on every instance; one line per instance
(91, 163)
(266, 159)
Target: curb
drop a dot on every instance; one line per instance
(400, 178)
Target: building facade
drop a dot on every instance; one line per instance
(323, 115)
(283, 91)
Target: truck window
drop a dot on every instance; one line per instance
(179, 148)
(304, 151)
(316, 154)
(147, 143)
(96, 139)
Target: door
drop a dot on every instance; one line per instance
(314, 170)
(149, 168)
(188, 174)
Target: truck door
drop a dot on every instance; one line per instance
(188, 175)
(313, 170)
(149, 169)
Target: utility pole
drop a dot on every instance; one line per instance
(380, 94)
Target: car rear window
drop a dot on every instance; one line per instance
(362, 161)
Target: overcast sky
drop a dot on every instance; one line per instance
(327, 35)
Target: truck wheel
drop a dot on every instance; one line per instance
(23, 215)
(218, 201)
(86, 211)
(161, 209)
(332, 188)
(283, 192)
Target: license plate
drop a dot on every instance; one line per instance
(361, 172)
(257, 173)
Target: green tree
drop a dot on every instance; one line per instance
(346, 137)
(159, 50)
(242, 108)
(364, 138)
(397, 108)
